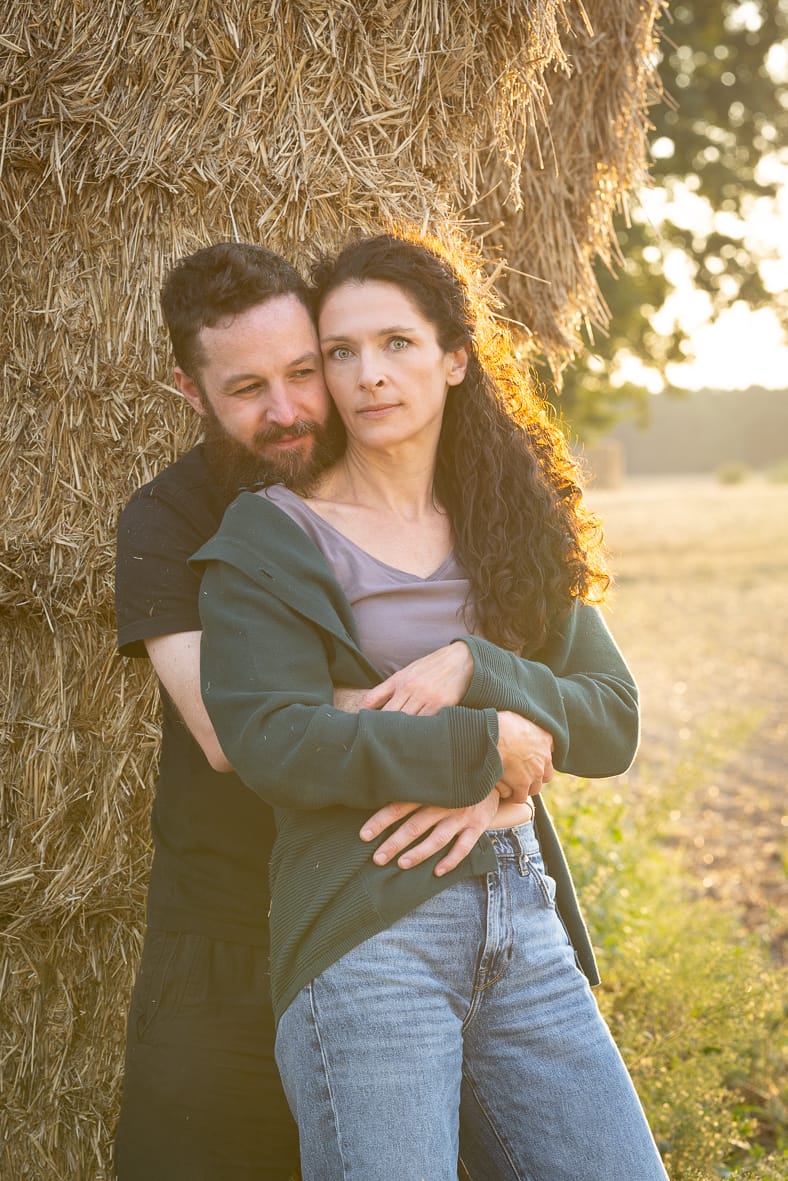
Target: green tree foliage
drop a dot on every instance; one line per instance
(722, 124)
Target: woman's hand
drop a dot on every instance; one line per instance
(462, 826)
(526, 752)
(426, 685)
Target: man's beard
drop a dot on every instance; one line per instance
(237, 466)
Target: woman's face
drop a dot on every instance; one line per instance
(384, 367)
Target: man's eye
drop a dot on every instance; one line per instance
(247, 389)
(300, 374)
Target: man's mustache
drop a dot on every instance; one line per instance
(275, 434)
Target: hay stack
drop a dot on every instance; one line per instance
(130, 134)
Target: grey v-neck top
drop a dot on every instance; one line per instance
(399, 615)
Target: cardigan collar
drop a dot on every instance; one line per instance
(262, 541)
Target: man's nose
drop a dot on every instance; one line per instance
(280, 408)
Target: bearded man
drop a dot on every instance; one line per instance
(202, 1097)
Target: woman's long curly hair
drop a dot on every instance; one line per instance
(504, 473)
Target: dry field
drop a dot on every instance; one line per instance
(700, 608)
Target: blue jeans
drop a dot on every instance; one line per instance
(463, 1032)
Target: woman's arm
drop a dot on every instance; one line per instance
(578, 688)
(267, 685)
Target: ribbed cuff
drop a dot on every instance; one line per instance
(476, 766)
(491, 683)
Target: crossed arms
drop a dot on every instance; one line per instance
(582, 707)
(423, 688)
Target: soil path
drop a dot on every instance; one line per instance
(700, 609)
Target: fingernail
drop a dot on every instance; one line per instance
(365, 834)
(405, 862)
(379, 858)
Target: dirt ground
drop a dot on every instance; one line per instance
(700, 609)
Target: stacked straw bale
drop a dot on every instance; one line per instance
(131, 132)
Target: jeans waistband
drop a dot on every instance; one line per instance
(515, 841)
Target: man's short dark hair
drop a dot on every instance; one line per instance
(219, 282)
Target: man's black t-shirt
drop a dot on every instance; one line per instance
(212, 836)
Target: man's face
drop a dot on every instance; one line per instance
(261, 394)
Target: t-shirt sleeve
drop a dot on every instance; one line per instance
(156, 593)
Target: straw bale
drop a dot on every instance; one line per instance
(559, 221)
(133, 131)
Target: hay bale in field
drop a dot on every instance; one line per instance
(132, 133)
(558, 220)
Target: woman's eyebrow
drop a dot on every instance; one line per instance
(393, 330)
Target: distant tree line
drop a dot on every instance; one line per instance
(701, 432)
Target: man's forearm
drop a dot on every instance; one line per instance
(348, 700)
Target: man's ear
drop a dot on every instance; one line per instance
(190, 391)
(458, 364)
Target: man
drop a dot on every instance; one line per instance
(202, 1099)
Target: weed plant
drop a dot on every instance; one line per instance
(693, 1000)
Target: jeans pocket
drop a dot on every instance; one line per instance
(542, 878)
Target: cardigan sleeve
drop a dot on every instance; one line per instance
(578, 687)
(267, 686)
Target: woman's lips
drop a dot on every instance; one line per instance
(377, 410)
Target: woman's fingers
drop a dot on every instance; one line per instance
(427, 685)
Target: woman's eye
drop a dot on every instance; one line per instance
(339, 354)
(397, 343)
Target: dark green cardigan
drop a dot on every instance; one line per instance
(278, 634)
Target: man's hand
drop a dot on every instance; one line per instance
(463, 826)
(526, 752)
(426, 685)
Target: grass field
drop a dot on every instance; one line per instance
(700, 609)
(681, 861)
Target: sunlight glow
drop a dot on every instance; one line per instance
(743, 348)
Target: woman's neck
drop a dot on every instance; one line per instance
(403, 485)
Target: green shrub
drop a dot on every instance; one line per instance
(692, 1000)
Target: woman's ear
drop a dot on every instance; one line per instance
(458, 364)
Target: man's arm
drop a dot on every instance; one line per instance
(422, 688)
(176, 660)
(579, 695)
(267, 684)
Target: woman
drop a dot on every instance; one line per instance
(410, 1002)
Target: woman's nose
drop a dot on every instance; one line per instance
(371, 377)
(371, 373)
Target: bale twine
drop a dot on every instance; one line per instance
(132, 133)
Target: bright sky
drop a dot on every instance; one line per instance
(743, 348)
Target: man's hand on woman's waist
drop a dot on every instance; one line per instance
(425, 687)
